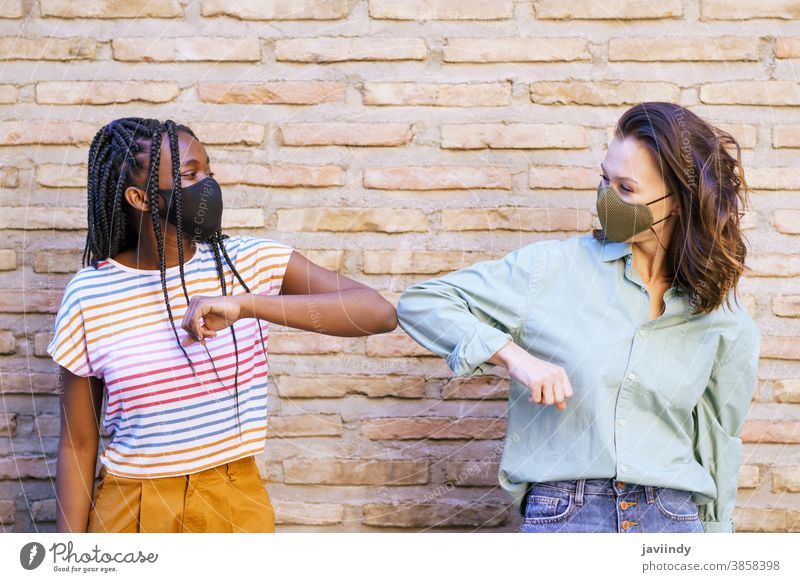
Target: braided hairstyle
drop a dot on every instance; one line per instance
(113, 167)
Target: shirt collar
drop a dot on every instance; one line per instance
(612, 250)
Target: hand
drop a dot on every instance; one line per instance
(548, 383)
(217, 312)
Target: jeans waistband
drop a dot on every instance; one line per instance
(609, 485)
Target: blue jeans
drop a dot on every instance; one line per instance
(608, 505)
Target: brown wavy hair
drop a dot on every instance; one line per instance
(706, 251)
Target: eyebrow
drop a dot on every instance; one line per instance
(187, 162)
(620, 177)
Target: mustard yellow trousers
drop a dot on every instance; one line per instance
(227, 498)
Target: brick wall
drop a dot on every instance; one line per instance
(393, 141)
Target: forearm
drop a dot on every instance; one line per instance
(74, 488)
(349, 312)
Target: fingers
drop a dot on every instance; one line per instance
(191, 323)
(552, 388)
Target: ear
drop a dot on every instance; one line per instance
(136, 197)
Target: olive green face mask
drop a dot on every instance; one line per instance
(621, 220)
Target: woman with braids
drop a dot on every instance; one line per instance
(169, 320)
(636, 324)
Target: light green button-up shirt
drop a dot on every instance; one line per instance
(658, 402)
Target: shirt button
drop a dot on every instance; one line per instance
(642, 332)
(632, 376)
(621, 422)
(623, 468)
(643, 290)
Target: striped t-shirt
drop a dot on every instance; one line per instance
(163, 421)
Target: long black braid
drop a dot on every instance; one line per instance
(113, 167)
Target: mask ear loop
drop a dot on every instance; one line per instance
(662, 220)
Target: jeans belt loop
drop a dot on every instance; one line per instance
(579, 492)
(649, 494)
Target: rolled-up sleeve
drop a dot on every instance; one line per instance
(468, 315)
(719, 417)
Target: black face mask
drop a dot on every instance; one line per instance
(201, 205)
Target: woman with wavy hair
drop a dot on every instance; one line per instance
(634, 324)
(186, 404)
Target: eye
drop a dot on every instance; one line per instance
(625, 188)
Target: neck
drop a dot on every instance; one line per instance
(145, 254)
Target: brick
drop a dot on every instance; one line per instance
(44, 510)
(387, 220)
(786, 480)
(773, 178)
(438, 178)
(7, 510)
(787, 48)
(307, 513)
(127, 9)
(47, 425)
(561, 177)
(355, 472)
(304, 425)
(304, 343)
(243, 218)
(45, 48)
(441, 10)
(48, 219)
(438, 94)
(57, 261)
(28, 383)
(434, 428)
(514, 136)
(413, 514)
(271, 92)
(519, 50)
(472, 474)
(517, 219)
(282, 176)
(27, 467)
(61, 175)
(8, 425)
(234, 133)
(787, 390)
(771, 93)
(786, 136)
(8, 94)
(8, 343)
(330, 386)
(591, 9)
(9, 177)
(339, 49)
(720, 48)
(187, 49)
(46, 132)
(105, 92)
(746, 135)
(394, 345)
(769, 431)
(8, 260)
(787, 221)
(402, 262)
(602, 92)
(747, 9)
(278, 9)
(346, 134)
(780, 347)
(11, 9)
(749, 477)
(485, 387)
(772, 265)
(760, 519)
